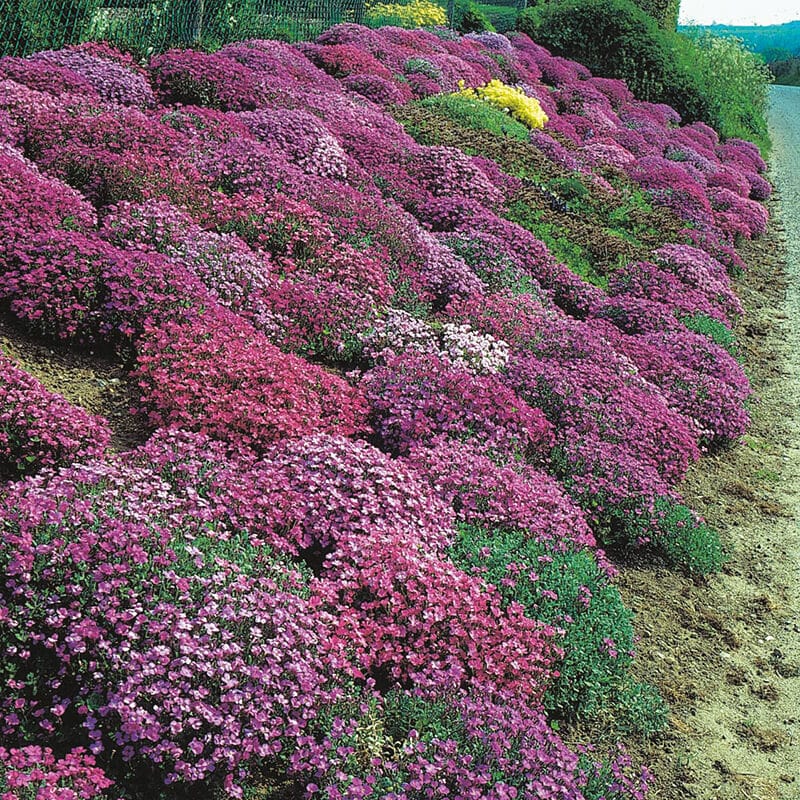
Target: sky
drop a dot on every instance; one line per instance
(739, 12)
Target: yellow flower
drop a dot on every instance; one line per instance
(523, 108)
(416, 14)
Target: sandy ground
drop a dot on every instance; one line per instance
(726, 652)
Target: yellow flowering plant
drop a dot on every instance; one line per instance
(523, 108)
(416, 14)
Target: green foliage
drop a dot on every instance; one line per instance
(665, 12)
(702, 77)
(503, 18)
(639, 710)
(685, 540)
(565, 589)
(475, 115)
(786, 72)
(498, 271)
(30, 25)
(672, 529)
(718, 332)
(613, 38)
(559, 242)
(734, 81)
(472, 19)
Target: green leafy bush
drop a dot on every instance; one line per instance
(718, 332)
(476, 115)
(503, 18)
(639, 710)
(734, 80)
(472, 19)
(785, 71)
(687, 541)
(702, 77)
(565, 589)
(615, 38)
(665, 12)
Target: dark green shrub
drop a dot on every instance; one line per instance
(30, 25)
(665, 12)
(473, 20)
(565, 589)
(615, 38)
(685, 540)
(639, 710)
(503, 18)
(703, 77)
(785, 71)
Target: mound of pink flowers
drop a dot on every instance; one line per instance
(350, 359)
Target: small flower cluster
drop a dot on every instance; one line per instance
(33, 771)
(213, 80)
(47, 77)
(112, 76)
(512, 497)
(526, 109)
(413, 398)
(416, 14)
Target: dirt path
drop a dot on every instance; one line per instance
(726, 653)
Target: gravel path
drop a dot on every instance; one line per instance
(784, 120)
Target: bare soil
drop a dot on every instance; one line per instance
(96, 383)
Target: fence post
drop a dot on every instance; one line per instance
(196, 9)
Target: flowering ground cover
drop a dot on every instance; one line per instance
(427, 331)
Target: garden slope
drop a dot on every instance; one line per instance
(398, 388)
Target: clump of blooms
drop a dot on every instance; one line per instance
(302, 138)
(347, 491)
(41, 429)
(205, 79)
(219, 375)
(181, 645)
(478, 352)
(33, 203)
(443, 742)
(33, 771)
(416, 14)
(510, 497)
(114, 79)
(455, 630)
(523, 108)
(47, 77)
(413, 398)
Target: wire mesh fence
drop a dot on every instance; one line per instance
(147, 26)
